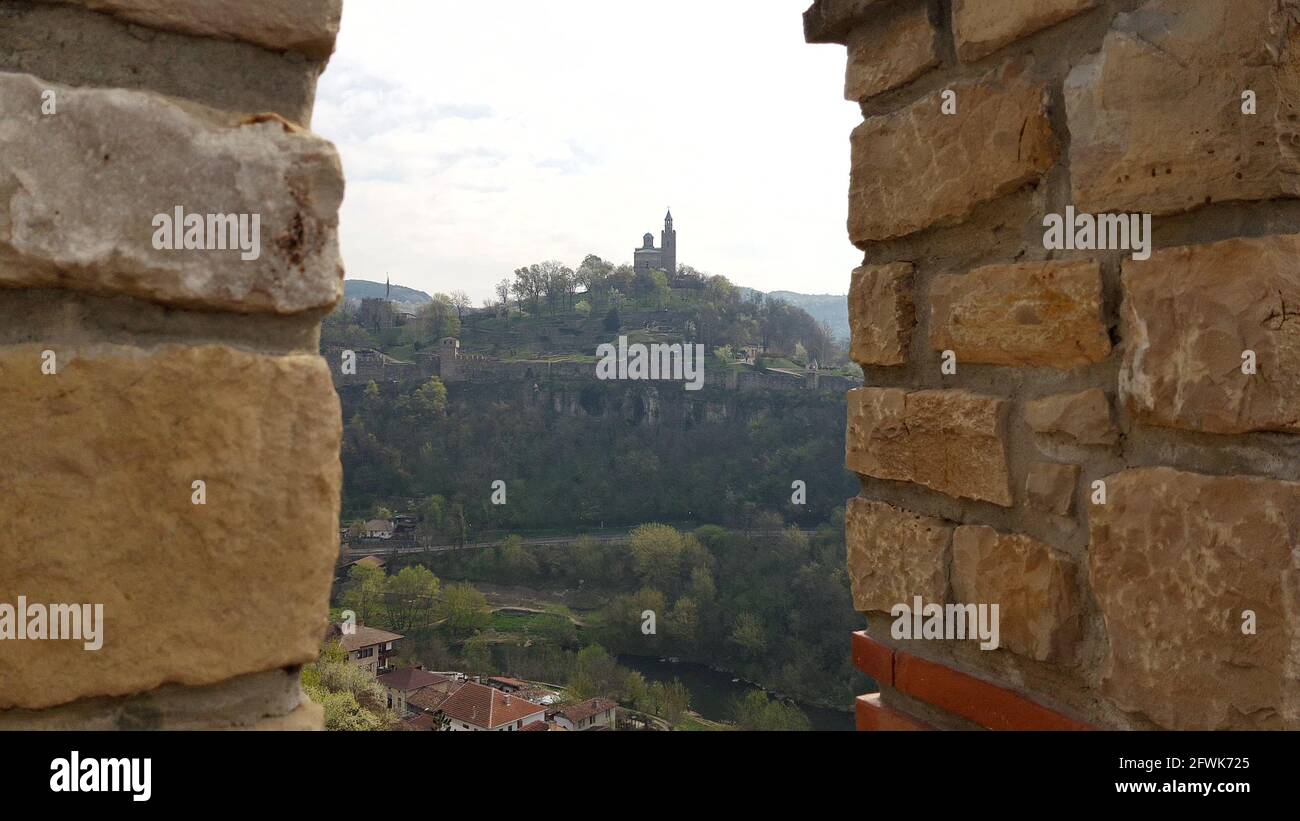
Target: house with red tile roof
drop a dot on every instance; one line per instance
(477, 707)
(592, 714)
(403, 683)
(542, 727)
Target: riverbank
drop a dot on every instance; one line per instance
(713, 692)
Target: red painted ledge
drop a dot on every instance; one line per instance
(872, 716)
(874, 659)
(976, 700)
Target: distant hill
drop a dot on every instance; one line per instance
(365, 289)
(833, 309)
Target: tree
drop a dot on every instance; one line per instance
(587, 560)
(658, 551)
(593, 275)
(461, 302)
(425, 403)
(464, 609)
(749, 634)
(612, 321)
(431, 514)
(676, 700)
(668, 701)
(458, 524)
(478, 655)
(437, 319)
(503, 296)
(755, 711)
(702, 588)
(410, 596)
(350, 696)
(595, 674)
(517, 564)
(364, 592)
(684, 621)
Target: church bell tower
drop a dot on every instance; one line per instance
(669, 244)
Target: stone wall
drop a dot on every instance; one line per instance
(171, 433)
(1111, 453)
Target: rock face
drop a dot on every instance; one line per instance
(1051, 487)
(69, 222)
(1083, 417)
(894, 555)
(1176, 559)
(951, 441)
(1033, 585)
(191, 593)
(1040, 313)
(1189, 313)
(881, 314)
(998, 140)
(1156, 118)
(886, 57)
(308, 26)
(981, 27)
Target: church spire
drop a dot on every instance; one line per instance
(388, 287)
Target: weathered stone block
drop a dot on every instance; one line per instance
(830, 21)
(308, 26)
(919, 167)
(1084, 417)
(951, 441)
(1050, 487)
(98, 502)
(80, 191)
(1156, 117)
(1033, 585)
(889, 54)
(981, 27)
(243, 701)
(881, 313)
(307, 717)
(1038, 313)
(1176, 559)
(1190, 313)
(67, 44)
(894, 555)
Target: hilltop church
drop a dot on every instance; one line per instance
(649, 258)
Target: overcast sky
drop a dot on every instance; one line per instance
(478, 137)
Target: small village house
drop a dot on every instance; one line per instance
(592, 714)
(478, 707)
(403, 683)
(367, 647)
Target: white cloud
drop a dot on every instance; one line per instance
(481, 136)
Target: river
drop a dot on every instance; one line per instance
(713, 692)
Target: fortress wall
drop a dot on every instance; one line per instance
(174, 434)
(1113, 459)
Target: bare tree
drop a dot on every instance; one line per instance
(460, 301)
